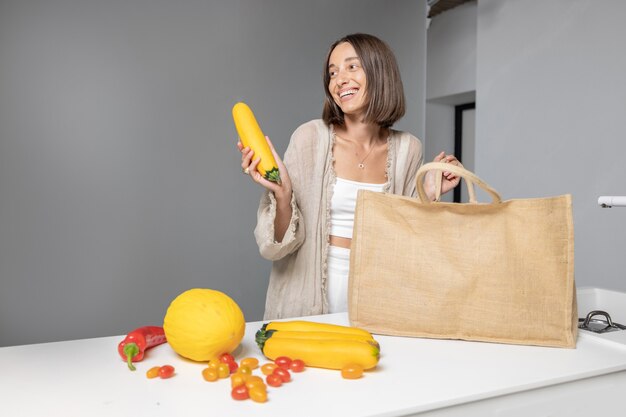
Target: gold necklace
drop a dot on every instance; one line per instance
(361, 164)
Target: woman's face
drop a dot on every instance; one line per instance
(347, 85)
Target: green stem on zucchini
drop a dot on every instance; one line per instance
(261, 337)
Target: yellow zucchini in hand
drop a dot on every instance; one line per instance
(251, 136)
(330, 354)
(312, 326)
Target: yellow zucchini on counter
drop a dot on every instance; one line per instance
(319, 345)
(312, 326)
(294, 334)
(320, 353)
(252, 136)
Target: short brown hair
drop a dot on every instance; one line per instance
(384, 89)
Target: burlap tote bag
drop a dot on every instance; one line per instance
(498, 272)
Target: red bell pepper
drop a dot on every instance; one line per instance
(134, 346)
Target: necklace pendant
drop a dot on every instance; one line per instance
(361, 165)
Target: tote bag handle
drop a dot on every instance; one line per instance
(469, 177)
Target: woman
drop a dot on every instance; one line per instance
(304, 225)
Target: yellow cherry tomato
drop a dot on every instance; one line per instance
(257, 394)
(268, 368)
(352, 371)
(255, 381)
(210, 374)
(237, 379)
(223, 370)
(251, 363)
(153, 372)
(243, 369)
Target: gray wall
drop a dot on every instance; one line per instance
(550, 105)
(451, 52)
(450, 77)
(119, 178)
(551, 101)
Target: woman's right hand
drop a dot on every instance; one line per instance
(249, 165)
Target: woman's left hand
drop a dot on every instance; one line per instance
(448, 180)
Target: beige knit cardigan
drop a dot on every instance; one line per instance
(297, 285)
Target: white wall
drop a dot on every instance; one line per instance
(551, 100)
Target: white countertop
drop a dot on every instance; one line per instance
(87, 377)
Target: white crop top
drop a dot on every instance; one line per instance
(343, 203)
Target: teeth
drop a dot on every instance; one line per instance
(348, 92)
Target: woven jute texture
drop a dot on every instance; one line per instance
(501, 271)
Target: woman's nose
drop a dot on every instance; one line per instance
(341, 78)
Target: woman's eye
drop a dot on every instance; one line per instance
(353, 66)
(332, 74)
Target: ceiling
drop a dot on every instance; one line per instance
(440, 6)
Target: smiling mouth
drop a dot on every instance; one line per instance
(348, 93)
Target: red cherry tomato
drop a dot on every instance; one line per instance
(166, 371)
(240, 392)
(283, 362)
(232, 366)
(274, 380)
(297, 365)
(226, 358)
(284, 374)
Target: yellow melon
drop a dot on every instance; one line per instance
(201, 324)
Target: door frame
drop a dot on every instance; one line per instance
(458, 138)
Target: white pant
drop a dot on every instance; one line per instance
(338, 262)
